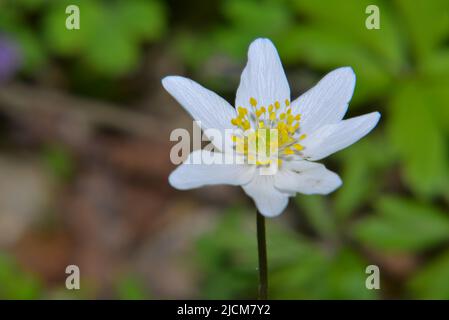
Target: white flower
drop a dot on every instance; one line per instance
(310, 128)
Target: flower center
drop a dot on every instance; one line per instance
(267, 134)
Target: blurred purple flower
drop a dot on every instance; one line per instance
(9, 58)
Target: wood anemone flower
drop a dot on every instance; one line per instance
(306, 130)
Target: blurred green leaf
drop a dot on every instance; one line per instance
(302, 278)
(319, 276)
(16, 284)
(427, 23)
(334, 34)
(347, 20)
(438, 97)
(227, 261)
(299, 268)
(141, 19)
(228, 255)
(245, 21)
(363, 164)
(266, 18)
(248, 20)
(111, 52)
(28, 4)
(357, 187)
(33, 54)
(347, 277)
(130, 288)
(403, 225)
(415, 134)
(327, 50)
(193, 49)
(436, 65)
(431, 282)
(318, 214)
(72, 42)
(110, 35)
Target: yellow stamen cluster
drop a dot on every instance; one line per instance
(242, 119)
(273, 132)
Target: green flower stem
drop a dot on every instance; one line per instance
(262, 249)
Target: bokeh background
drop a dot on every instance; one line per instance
(84, 151)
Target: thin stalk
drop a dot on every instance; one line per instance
(262, 249)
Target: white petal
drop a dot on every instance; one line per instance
(263, 77)
(307, 178)
(202, 104)
(193, 174)
(334, 137)
(269, 201)
(327, 101)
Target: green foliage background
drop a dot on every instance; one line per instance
(395, 197)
